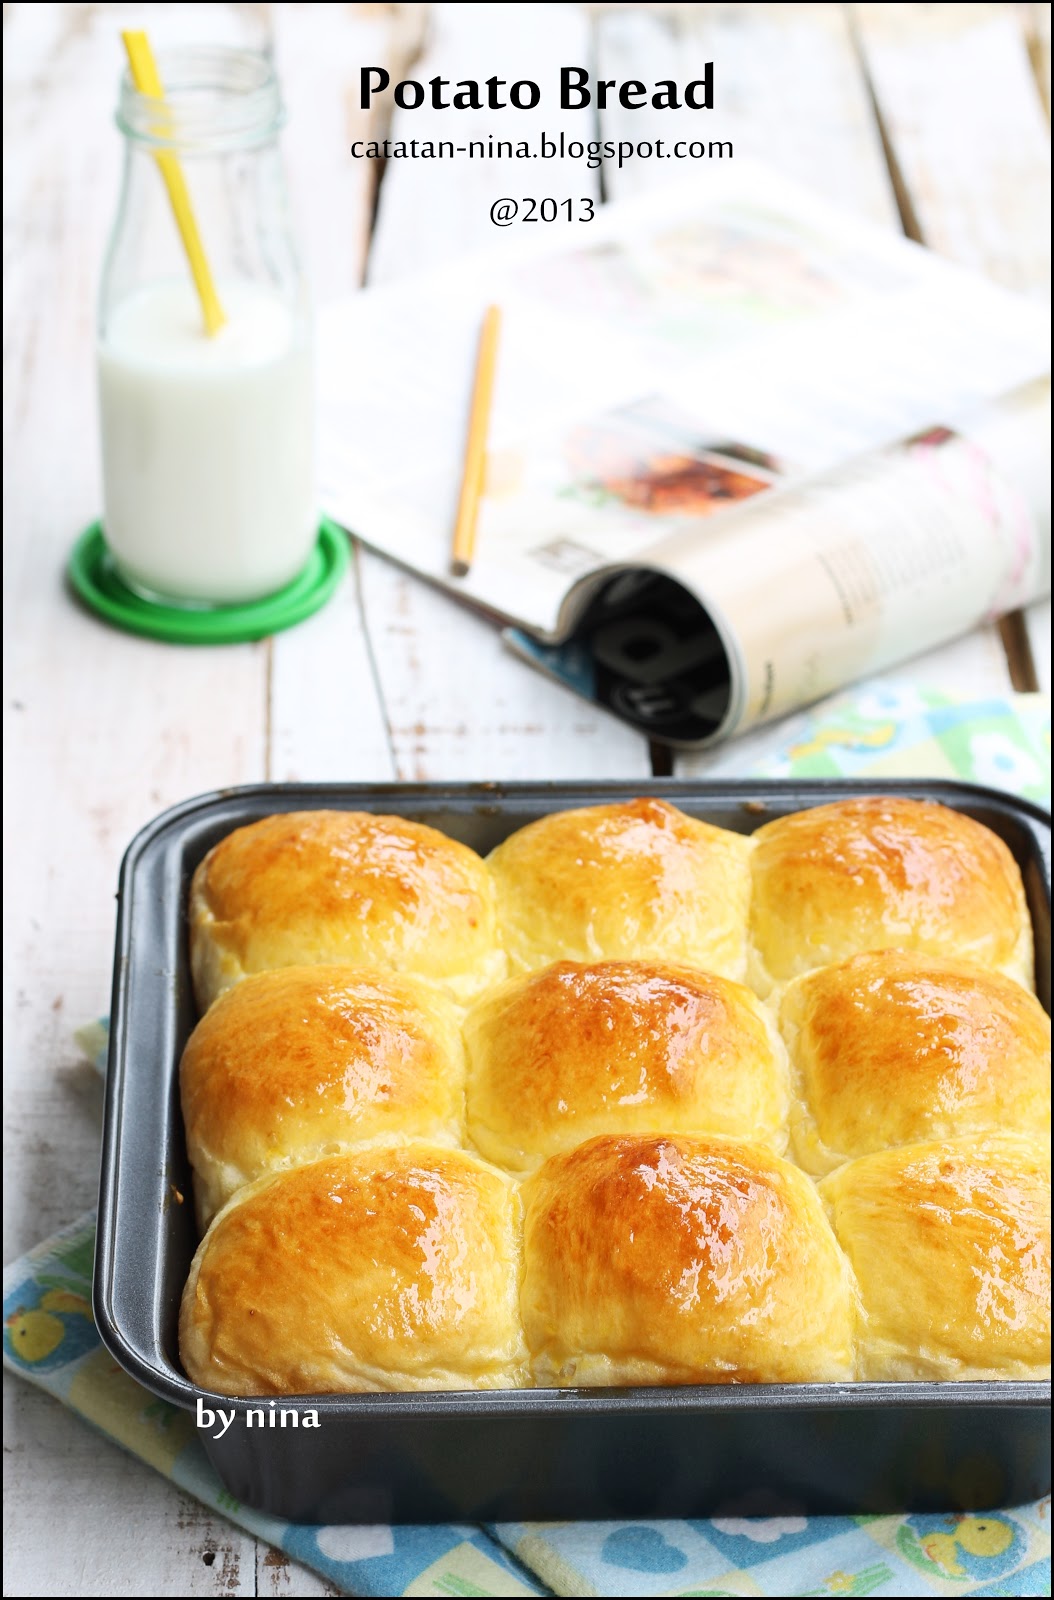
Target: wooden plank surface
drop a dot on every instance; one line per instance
(459, 705)
(765, 52)
(966, 126)
(327, 719)
(431, 211)
(967, 131)
(1036, 23)
(763, 55)
(103, 731)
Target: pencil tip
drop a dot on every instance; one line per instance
(459, 569)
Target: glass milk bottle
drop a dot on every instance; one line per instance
(208, 470)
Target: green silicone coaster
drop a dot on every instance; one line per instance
(97, 582)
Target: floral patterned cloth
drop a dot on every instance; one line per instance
(890, 730)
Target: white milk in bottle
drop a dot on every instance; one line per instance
(207, 437)
(206, 443)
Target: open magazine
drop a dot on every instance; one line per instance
(743, 448)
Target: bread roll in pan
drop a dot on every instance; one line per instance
(534, 1454)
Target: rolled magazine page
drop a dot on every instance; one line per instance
(728, 468)
(786, 597)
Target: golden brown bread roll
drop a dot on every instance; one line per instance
(309, 887)
(668, 1259)
(638, 879)
(394, 1267)
(619, 1047)
(883, 873)
(950, 1244)
(305, 1061)
(891, 1048)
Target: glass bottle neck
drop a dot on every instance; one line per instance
(218, 101)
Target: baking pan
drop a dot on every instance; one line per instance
(524, 1454)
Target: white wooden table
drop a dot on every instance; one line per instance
(931, 118)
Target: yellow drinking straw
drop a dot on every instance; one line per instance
(147, 80)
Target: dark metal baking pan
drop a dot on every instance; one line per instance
(531, 1454)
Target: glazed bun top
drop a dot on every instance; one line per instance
(302, 1062)
(574, 1050)
(351, 887)
(890, 1048)
(669, 1259)
(884, 873)
(386, 1268)
(635, 880)
(950, 1245)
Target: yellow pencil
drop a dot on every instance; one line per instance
(476, 445)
